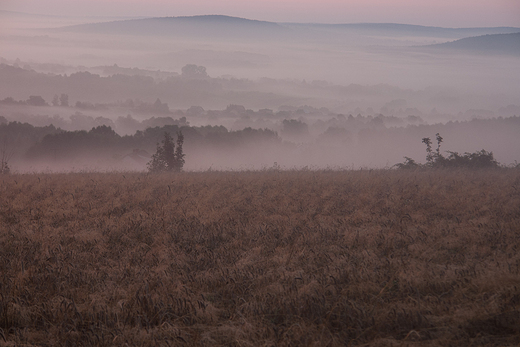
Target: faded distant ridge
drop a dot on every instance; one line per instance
(493, 44)
(395, 29)
(233, 27)
(206, 26)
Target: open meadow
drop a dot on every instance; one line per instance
(264, 258)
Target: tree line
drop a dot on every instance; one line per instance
(33, 143)
(23, 141)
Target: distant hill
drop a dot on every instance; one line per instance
(195, 26)
(394, 29)
(490, 44)
(234, 27)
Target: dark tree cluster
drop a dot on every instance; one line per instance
(436, 160)
(34, 100)
(168, 157)
(49, 143)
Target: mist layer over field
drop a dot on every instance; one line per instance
(390, 75)
(342, 54)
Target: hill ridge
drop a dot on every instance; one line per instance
(490, 43)
(231, 27)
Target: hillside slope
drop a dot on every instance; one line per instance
(494, 44)
(234, 27)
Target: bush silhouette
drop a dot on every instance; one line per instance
(434, 158)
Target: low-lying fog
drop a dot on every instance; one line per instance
(395, 81)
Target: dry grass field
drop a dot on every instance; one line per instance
(272, 258)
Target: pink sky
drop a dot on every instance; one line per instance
(447, 13)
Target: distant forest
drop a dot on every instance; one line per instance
(50, 144)
(142, 92)
(115, 119)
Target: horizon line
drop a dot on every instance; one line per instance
(124, 18)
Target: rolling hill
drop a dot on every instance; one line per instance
(195, 26)
(489, 44)
(234, 27)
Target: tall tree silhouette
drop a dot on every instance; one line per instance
(167, 157)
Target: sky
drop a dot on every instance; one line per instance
(446, 13)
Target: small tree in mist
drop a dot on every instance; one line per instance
(179, 154)
(64, 100)
(6, 153)
(433, 158)
(194, 72)
(56, 101)
(167, 157)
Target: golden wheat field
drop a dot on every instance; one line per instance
(269, 258)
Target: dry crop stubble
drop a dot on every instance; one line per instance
(261, 258)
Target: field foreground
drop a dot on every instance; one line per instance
(270, 258)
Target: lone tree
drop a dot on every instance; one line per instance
(167, 157)
(433, 158)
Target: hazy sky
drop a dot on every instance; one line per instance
(447, 13)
